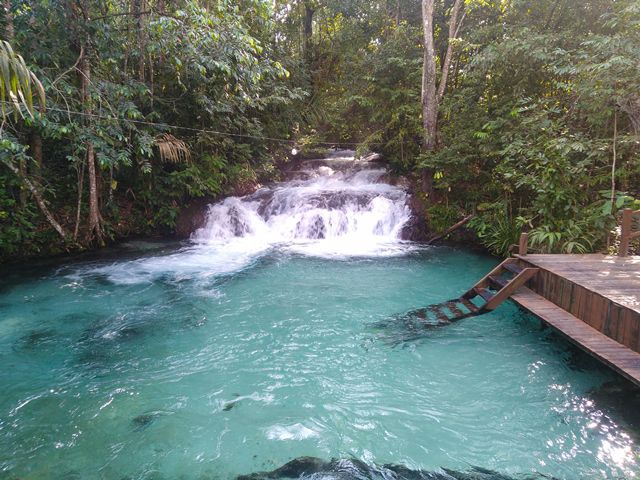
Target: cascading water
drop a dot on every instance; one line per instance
(335, 206)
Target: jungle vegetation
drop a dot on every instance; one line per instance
(116, 114)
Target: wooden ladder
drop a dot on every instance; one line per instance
(493, 289)
(499, 284)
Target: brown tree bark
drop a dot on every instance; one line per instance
(39, 200)
(138, 7)
(35, 145)
(432, 92)
(455, 22)
(95, 220)
(429, 96)
(8, 20)
(307, 30)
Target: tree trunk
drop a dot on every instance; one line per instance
(429, 97)
(8, 20)
(455, 22)
(307, 31)
(138, 7)
(95, 221)
(39, 200)
(36, 149)
(79, 205)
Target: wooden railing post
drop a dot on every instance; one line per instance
(625, 232)
(523, 246)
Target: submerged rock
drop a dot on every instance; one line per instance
(619, 398)
(353, 469)
(230, 405)
(143, 421)
(35, 339)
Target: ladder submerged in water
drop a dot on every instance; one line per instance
(493, 289)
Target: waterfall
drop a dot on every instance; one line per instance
(334, 206)
(337, 207)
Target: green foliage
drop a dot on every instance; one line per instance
(199, 82)
(17, 83)
(442, 217)
(496, 228)
(537, 92)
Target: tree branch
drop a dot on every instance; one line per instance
(454, 29)
(39, 200)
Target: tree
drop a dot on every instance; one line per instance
(432, 91)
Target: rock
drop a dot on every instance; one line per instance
(416, 229)
(353, 469)
(192, 217)
(230, 405)
(143, 421)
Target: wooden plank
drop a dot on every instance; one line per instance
(615, 278)
(625, 232)
(470, 306)
(596, 314)
(484, 293)
(513, 285)
(455, 310)
(440, 314)
(484, 281)
(498, 282)
(620, 358)
(513, 267)
(523, 244)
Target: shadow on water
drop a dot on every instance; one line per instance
(145, 420)
(619, 399)
(352, 469)
(36, 340)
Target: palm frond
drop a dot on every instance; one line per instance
(172, 149)
(17, 83)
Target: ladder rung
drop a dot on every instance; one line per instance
(470, 306)
(455, 310)
(439, 314)
(421, 314)
(484, 293)
(500, 282)
(512, 267)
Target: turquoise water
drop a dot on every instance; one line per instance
(141, 369)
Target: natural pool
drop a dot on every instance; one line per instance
(271, 337)
(214, 377)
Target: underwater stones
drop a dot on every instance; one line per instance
(353, 469)
(228, 406)
(619, 398)
(408, 327)
(143, 421)
(35, 339)
(293, 469)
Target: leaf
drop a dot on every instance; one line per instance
(172, 149)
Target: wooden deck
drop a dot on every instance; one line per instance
(620, 358)
(593, 300)
(613, 277)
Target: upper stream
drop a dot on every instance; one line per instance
(270, 336)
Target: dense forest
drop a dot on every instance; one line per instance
(116, 115)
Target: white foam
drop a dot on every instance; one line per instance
(291, 432)
(340, 211)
